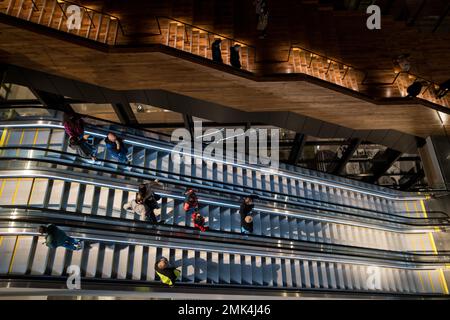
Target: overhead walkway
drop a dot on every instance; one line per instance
(304, 218)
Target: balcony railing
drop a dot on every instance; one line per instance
(105, 28)
(59, 15)
(305, 61)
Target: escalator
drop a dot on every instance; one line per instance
(312, 231)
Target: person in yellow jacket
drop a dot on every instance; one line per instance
(166, 273)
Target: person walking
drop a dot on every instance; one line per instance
(216, 52)
(414, 89)
(235, 59)
(55, 237)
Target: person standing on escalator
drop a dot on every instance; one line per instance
(191, 207)
(138, 207)
(246, 213)
(82, 147)
(116, 147)
(74, 125)
(55, 237)
(147, 196)
(167, 274)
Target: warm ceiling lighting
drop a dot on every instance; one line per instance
(113, 18)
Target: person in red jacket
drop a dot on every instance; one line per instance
(199, 221)
(191, 207)
(190, 201)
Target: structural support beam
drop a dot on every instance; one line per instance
(124, 113)
(408, 181)
(297, 148)
(52, 100)
(382, 162)
(416, 14)
(189, 124)
(442, 18)
(339, 165)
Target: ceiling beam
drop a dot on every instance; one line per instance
(297, 148)
(412, 20)
(189, 124)
(337, 167)
(409, 180)
(124, 113)
(441, 18)
(51, 100)
(382, 161)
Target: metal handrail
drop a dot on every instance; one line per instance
(207, 31)
(363, 71)
(284, 172)
(69, 218)
(441, 221)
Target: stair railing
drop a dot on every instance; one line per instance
(360, 75)
(58, 9)
(171, 39)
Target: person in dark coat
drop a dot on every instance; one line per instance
(166, 273)
(443, 89)
(246, 213)
(55, 237)
(82, 148)
(216, 53)
(414, 89)
(235, 59)
(147, 196)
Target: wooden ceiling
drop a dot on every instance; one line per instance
(146, 69)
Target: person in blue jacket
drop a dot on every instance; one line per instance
(55, 237)
(116, 147)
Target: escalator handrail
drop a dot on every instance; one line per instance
(234, 192)
(13, 280)
(94, 232)
(296, 175)
(224, 235)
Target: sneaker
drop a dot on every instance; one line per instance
(79, 245)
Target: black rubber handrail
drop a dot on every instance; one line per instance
(218, 237)
(208, 188)
(397, 222)
(139, 128)
(444, 217)
(59, 282)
